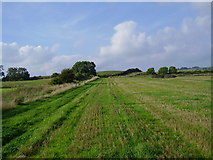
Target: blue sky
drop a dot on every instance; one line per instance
(80, 30)
(89, 24)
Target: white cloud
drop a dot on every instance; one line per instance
(186, 45)
(38, 60)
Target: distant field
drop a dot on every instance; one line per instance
(29, 89)
(101, 73)
(7, 89)
(25, 83)
(123, 117)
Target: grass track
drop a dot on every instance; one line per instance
(132, 117)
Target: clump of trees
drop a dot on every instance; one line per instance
(84, 70)
(1, 71)
(81, 70)
(150, 71)
(163, 70)
(128, 71)
(16, 74)
(54, 75)
(172, 70)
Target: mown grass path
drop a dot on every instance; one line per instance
(128, 117)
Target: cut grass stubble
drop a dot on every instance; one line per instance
(114, 118)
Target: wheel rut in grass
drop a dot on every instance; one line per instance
(111, 119)
(192, 126)
(43, 123)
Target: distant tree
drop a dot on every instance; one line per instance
(17, 74)
(84, 69)
(128, 71)
(56, 80)
(150, 71)
(80, 71)
(67, 75)
(172, 70)
(1, 71)
(54, 75)
(163, 71)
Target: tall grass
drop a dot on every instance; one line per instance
(32, 90)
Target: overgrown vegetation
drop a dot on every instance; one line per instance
(81, 70)
(150, 71)
(172, 70)
(31, 90)
(19, 100)
(16, 74)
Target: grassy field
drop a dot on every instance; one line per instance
(30, 90)
(123, 117)
(102, 73)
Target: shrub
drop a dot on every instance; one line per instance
(150, 71)
(172, 70)
(80, 76)
(67, 76)
(84, 67)
(163, 71)
(54, 75)
(56, 80)
(19, 100)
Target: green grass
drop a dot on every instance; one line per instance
(29, 89)
(7, 89)
(25, 83)
(123, 117)
(102, 73)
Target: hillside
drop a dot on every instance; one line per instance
(107, 73)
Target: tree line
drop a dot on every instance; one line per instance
(162, 70)
(81, 70)
(15, 74)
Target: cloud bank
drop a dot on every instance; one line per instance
(187, 45)
(38, 60)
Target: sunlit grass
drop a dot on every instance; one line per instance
(126, 117)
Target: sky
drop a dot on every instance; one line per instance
(48, 37)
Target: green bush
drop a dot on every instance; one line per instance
(163, 71)
(56, 80)
(150, 71)
(80, 76)
(19, 100)
(172, 70)
(55, 75)
(67, 75)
